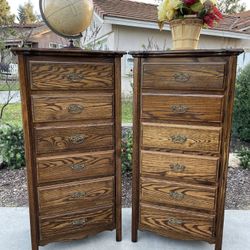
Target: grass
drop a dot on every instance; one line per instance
(127, 111)
(14, 86)
(12, 114)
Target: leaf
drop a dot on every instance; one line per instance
(197, 7)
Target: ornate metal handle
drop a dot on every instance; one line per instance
(78, 195)
(179, 109)
(81, 222)
(178, 139)
(78, 166)
(177, 195)
(74, 77)
(174, 221)
(77, 139)
(182, 77)
(75, 109)
(177, 168)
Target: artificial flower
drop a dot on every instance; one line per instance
(212, 1)
(189, 2)
(174, 4)
(162, 10)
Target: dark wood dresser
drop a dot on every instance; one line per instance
(183, 103)
(71, 102)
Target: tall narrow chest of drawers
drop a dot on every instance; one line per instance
(72, 127)
(183, 104)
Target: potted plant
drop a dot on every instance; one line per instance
(186, 18)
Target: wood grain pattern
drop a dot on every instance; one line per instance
(75, 166)
(59, 139)
(181, 167)
(177, 224)
(202, 108)
(70, 107)
(70, 197)
(68, 75)
(183, 76)
(181, 137)
(76, 225)
(178, 194)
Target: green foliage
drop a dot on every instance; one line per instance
(241, 120)
(127, 110)
(12, 147)
(244, 156)
(5, 16)
(26, 14)
(231, 6)
(126, 154)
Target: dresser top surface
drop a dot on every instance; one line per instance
(67, 52)
(186, 53)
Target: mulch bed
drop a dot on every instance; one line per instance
(13, 189)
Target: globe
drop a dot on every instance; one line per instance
(68, 18)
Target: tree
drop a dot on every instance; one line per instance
(231, 6)
(5, 16)
(26, 14)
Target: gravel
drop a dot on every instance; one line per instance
(13, 188)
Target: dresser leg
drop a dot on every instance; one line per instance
(218, 244)
(118, 235)
(35, 246)
(134, 234)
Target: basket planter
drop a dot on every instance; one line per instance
(186, 33)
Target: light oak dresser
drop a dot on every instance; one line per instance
(183, 103)
(71, 102)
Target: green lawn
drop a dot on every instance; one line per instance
(12, 114)
(14, 86)
(127, 111)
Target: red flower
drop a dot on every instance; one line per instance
(217, 12)
(189, 2)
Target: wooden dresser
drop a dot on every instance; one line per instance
(71, 102)
(183, 103)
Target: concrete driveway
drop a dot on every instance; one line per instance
(14, 235)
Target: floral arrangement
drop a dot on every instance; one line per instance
(206, 10)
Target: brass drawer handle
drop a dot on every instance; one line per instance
(174, 221)
(81, 222)
(177, 196)
(77, 139)
(179, 109)
(179, 139)
(75, 109)
(181, 77)
(74, 77)
(177, 168)
(78, 195)
(78, 166)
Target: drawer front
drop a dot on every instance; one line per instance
(87, 137)
(171, 193)
(69, 167)
(202, 108)
(183, 167)
(187, 138)
(74, 196)
(184, 76)
(70, 107)
(178, 224)
(68, 76)
(76, 226)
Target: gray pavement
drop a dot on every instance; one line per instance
(14, 235)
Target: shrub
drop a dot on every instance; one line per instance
(127, 148)
(241, 120)
(12, 147)
(244, 156)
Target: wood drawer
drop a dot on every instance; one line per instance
(70, 75)
(179, 166)
(75, 166)
(200, 76)
(177, 224)
(178, 194)
(203, 108)
(75, 195)
(87, 137)
(70, 107)
(76, 226)
(181, 137)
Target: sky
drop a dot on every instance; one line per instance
(15, 3)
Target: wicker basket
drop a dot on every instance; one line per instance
(186, 33)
